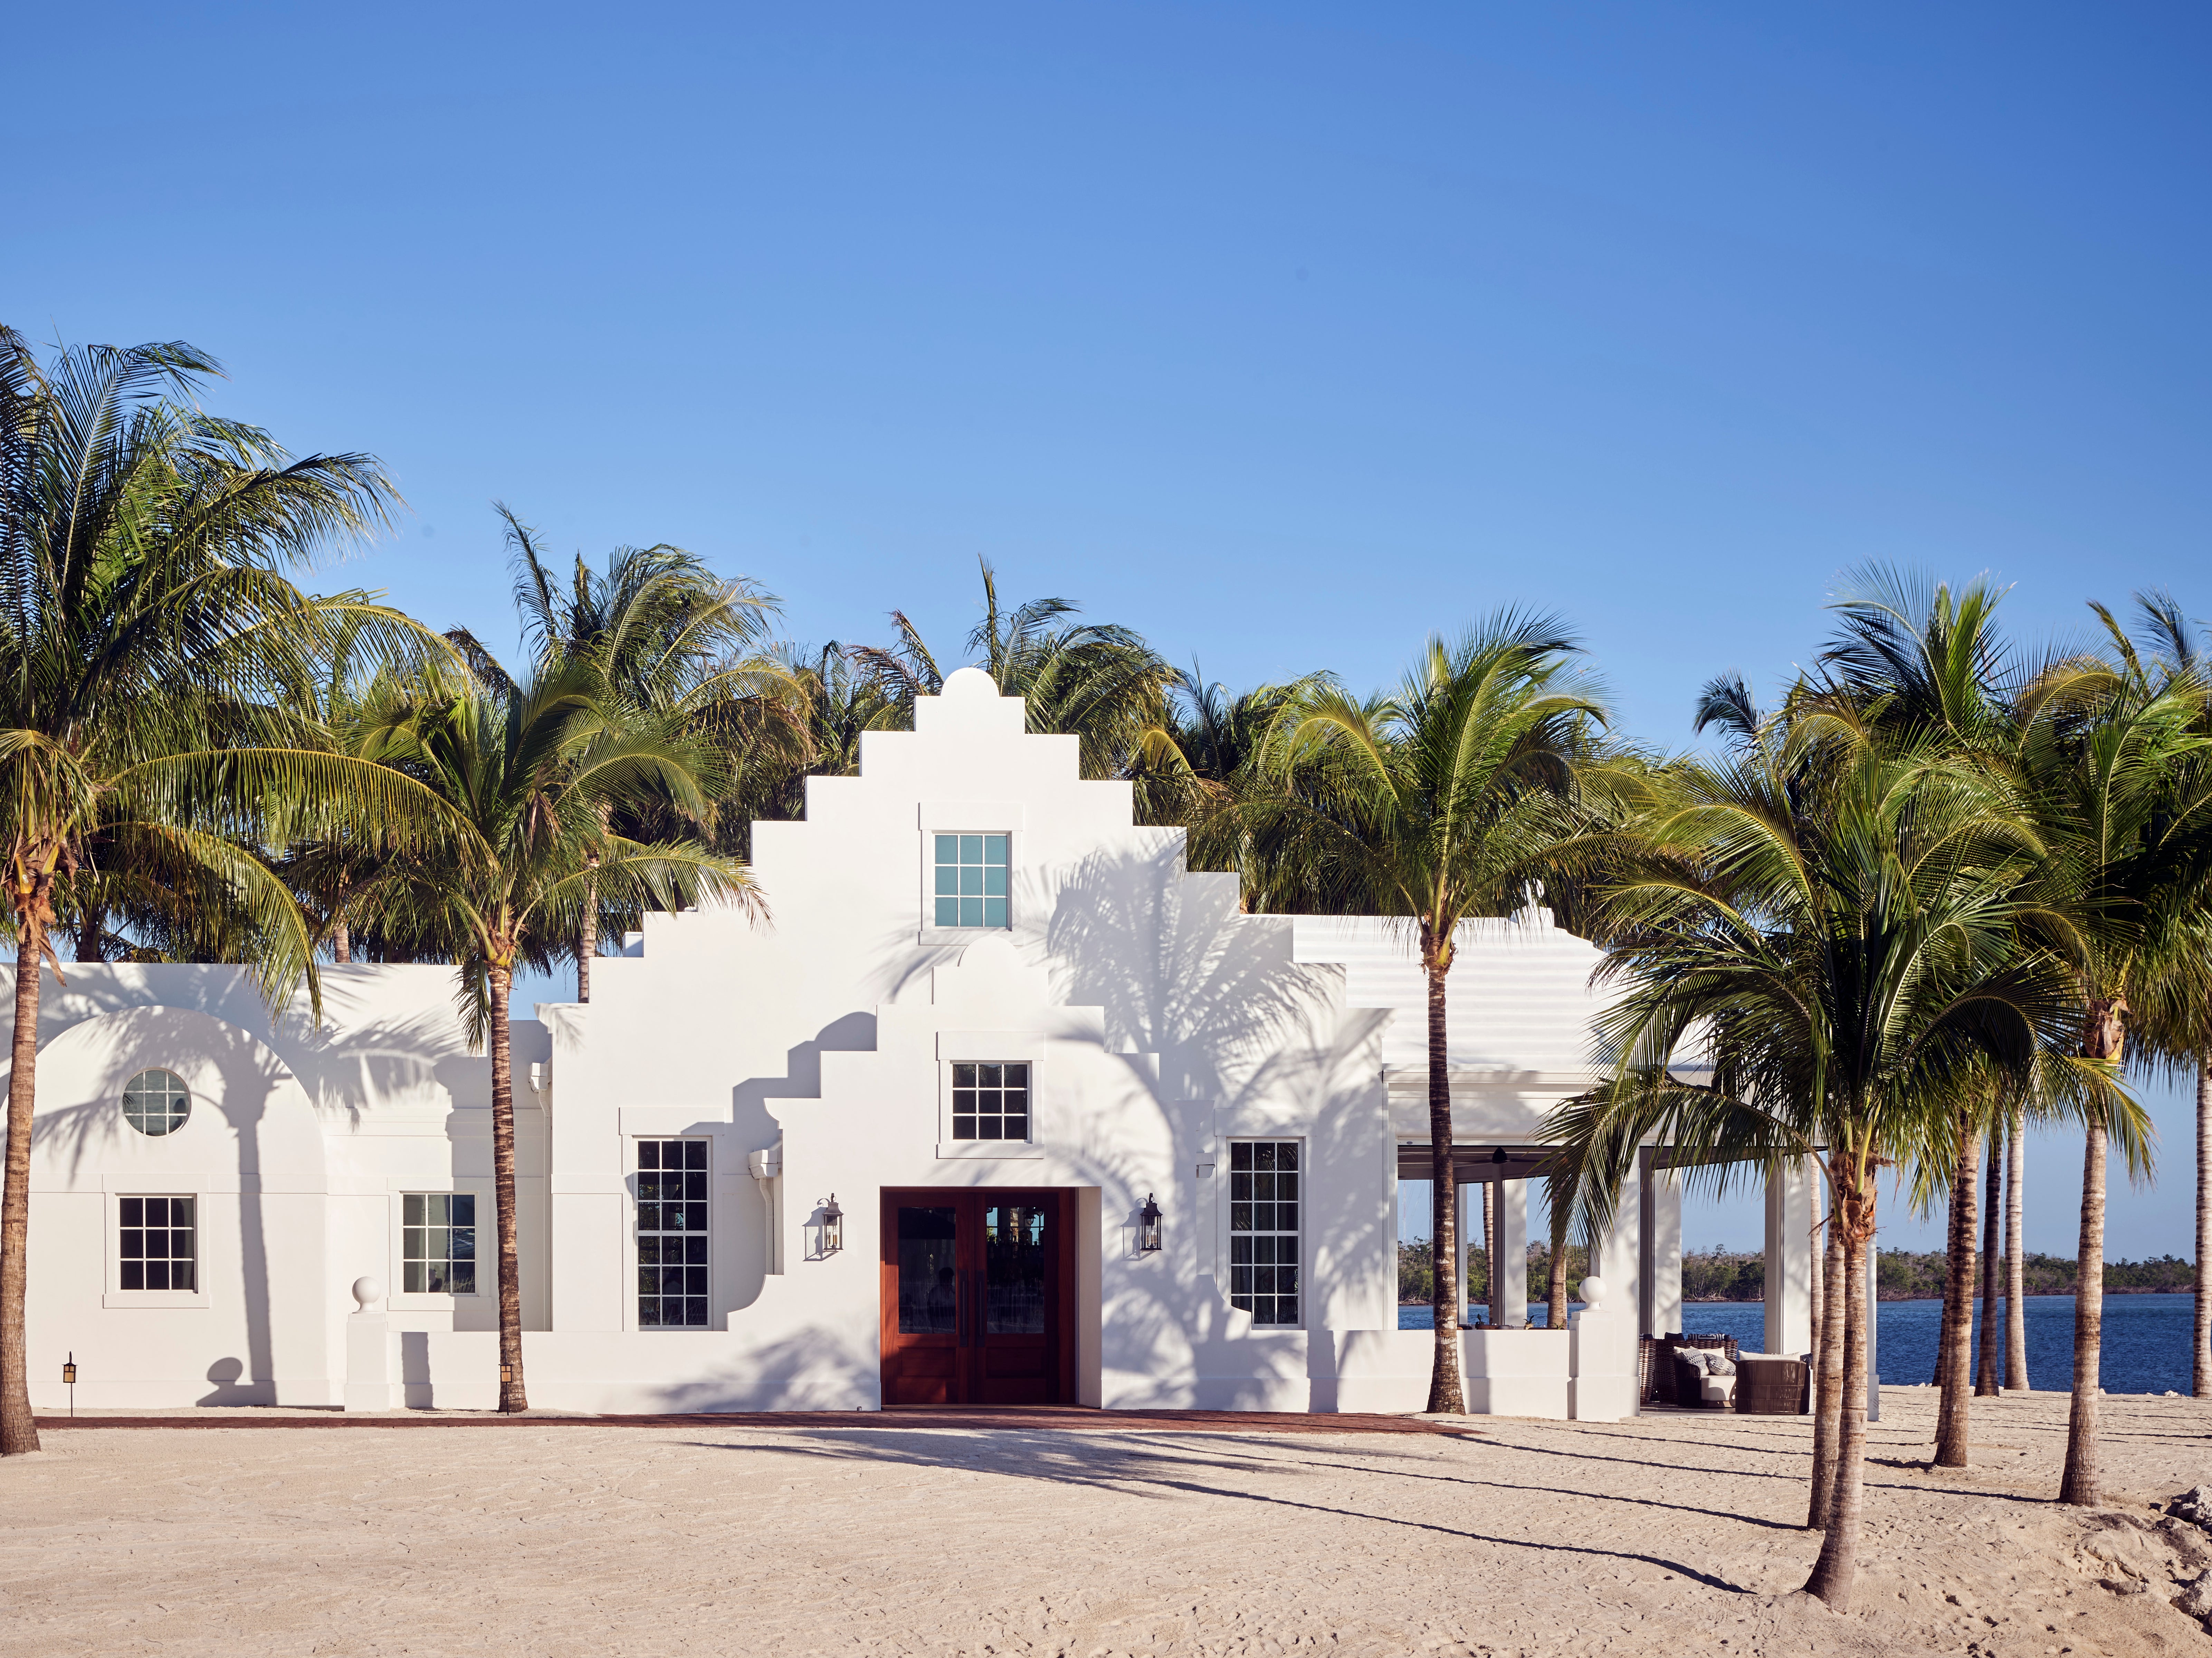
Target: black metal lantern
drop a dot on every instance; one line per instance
(1148, 1226)
(833, 1226)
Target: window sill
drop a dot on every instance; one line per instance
(990, 1151)
(960, 935)
(172, 1299)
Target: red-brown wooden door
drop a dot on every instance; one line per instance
(977, 1298)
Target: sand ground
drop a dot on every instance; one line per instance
(1670, 1533)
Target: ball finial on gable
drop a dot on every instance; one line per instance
(968, 684)
(968, 701)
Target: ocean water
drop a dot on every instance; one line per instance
(2146, 1345)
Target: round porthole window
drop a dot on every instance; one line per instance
(156, 1102)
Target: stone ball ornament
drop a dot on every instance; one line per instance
(368, 1291)
(1593, 1293)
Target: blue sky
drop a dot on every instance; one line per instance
(1285, 334)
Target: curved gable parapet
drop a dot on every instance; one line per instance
(249, 1118)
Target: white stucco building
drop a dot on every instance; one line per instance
(989, 1018)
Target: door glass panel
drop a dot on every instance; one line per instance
(1014, 1270)
(928, 1292)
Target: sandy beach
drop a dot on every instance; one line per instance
(1668, 1533)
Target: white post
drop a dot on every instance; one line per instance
(1665, 1299)
(1607, 1347)
(368, 1350)
(1513, 1252)
(1790, 1260)
(1470, 1233)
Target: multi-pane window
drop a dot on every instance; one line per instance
(1263, 1230)
(990, 1102)
(971, 880)
(156, 1102)
(438, 1243)
(159, 1244)
(671, 1235)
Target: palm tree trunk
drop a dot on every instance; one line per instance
(91, 934)
(1555, 1304)
(1985, 1373)
(1817, 1290)
(2201, 1366)
(1828, 1379)
(2016, 1256)
(1836, 1569)
(587, 935)
(19, 1431)
(1446, 1394)
(2080, 1483)
(512, 1395)
(1955, 1363)
(2102, 1038)
(341, 941)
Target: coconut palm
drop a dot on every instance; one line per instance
(1830, 927)
(149, 652)
(2101, 767)
(1199, 766)
(1433, 805)
(2173, 999)
(672, 642)
(531, 771)
(1094, 681)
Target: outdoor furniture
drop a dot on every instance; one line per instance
(1696, 1389)
(1772, 1384)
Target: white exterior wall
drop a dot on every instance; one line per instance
(811, 1051)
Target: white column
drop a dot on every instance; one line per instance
(1663, 1253)
(368, 1350)
(1618, 1258)
(1470, 1236)
(1513, 1251)
(1790, 1260)
(1602, 1355)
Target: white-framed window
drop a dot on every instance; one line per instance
(990, 1100)
(970, 876)
(673, 1184)
(438, 1243)
(158, 1244)
(1265, 1199)
(156, 1102)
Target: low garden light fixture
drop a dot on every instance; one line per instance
(833, 1226)
(69, 1380)
(1148, 1226)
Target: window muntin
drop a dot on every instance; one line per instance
(438, 1243)
(156, 1102)
(971, 890)
(1263, 1230)
(671, 1235)
(159, 1244)
(990, 1102)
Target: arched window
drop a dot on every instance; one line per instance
(156, 1102)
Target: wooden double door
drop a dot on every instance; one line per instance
(978, 1296)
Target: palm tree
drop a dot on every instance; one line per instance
(1200, 765)
(2173, 1000)
(1832, 925)
(2101, 763)
(1094, 681)
(148, 651)
(1435, 805)
(531, 772)
(1987, 1384)
(671, 640)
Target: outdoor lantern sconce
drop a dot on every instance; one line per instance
(1148, 1227)
(69, 1380)
(833, 1227)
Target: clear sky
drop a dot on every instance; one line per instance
(1285, 334)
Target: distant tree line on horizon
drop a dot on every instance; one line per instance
(1718, 1275)
(1943, 888)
